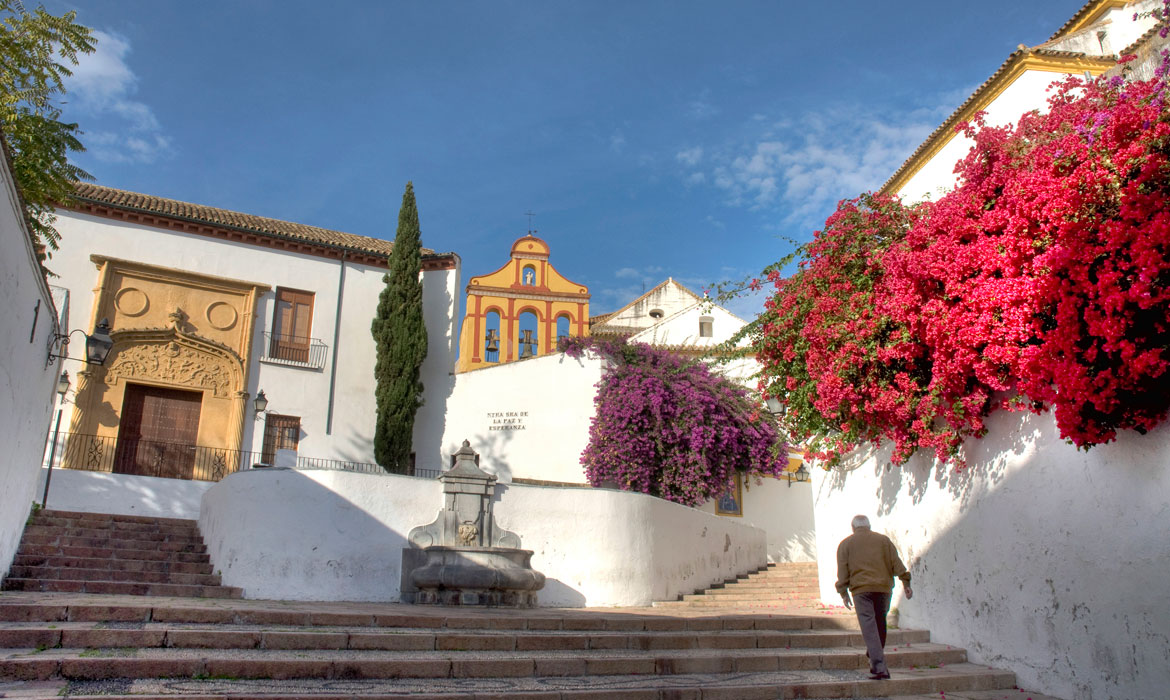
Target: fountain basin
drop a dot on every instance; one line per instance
(489, 576)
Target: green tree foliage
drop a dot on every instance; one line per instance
(401, 340)
(36, 50)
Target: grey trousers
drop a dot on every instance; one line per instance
(871, 617)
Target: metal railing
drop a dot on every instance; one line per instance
(294, 350)
(104, 453)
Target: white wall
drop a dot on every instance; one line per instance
(327, 535)
(1027, 92)
(527, 419)
(123, 494)
(1038, 558)
(27, 385)
(784, 512)
(682, 327)
(295, 391)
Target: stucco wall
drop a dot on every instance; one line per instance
(527, 419)
(336, 426)
(1038, 558)
(320, 535)
(784, 512)
(27, 385)
(122, 494)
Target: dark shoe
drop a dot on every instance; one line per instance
(879, 676)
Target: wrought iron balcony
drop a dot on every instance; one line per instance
(295, 351)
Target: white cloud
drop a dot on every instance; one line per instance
(803, 166)
(628, 273)
(118, 128)
(690, 156)
(617, 141)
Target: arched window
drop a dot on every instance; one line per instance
(563, 327)
(491, 338)
(529, 341)
(528, 276)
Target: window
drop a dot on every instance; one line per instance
(491, 340)
(529, 338)
(280, 433)
(706, 327)
(292, 321)
(563, 325)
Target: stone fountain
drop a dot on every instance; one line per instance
(464, 557)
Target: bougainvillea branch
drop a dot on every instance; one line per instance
(1041, 281)
(668, 426)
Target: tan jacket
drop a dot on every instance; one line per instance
(867, 562)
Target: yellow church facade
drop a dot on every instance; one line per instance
(520, 310)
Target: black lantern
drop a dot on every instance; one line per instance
(260, 402)
(775, 407)
(97, 345)
(801, 475)
(63, 385)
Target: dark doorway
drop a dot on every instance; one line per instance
(157, 432)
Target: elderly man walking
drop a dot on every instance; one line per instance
(867, 563)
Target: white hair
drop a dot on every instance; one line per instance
(860, 521)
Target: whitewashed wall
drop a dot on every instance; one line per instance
(527, 419)
(784, 512)
(1027, 92)
(682, 327)
(326, 535)
(292, 391)
(27, 385)
(1038, 558)
(123, 494)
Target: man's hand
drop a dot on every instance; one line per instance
(847, 601)
(909, 592)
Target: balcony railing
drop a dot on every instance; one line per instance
(294, 350)
(102, 453)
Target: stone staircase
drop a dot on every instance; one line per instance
(82, 645)
(63, 551)
(782, 586)
(71, 626)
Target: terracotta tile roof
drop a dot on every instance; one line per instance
(226, 218)
(1137, 44)
(949, 124)
(1085, 9)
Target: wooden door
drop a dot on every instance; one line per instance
(157, 432)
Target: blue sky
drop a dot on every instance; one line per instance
(651, 139)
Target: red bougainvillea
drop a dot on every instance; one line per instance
(1042, 280)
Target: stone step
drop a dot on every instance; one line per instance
(809, 684)
(762, 586)
(120, 588)
(113, 533)
(704, 603)
(111, 553)
(721, 596)
(110, 542)
(71, 573)
(146, 635)
(65, 608)
(112, 517)
(112, 564)
(102, 663)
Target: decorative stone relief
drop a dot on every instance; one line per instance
(174, 364)
(131, 302)
(221, 315)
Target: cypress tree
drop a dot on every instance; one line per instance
(401, 340)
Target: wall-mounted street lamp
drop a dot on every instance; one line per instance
(97, 345)
(260, 403)
(801, 476)
(775, 407)
(62, 386)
